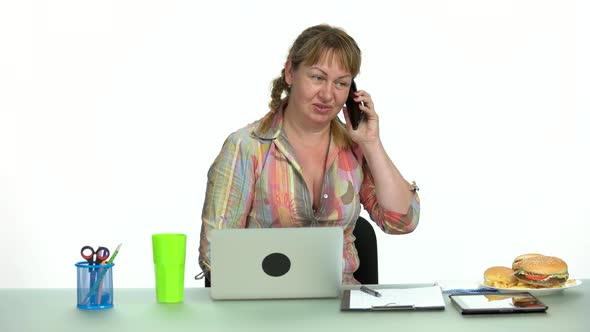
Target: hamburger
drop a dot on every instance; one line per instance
(499, 277)
(521, 257)
(524, 301)
(543, 271)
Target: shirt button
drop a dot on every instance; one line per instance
(325, 195)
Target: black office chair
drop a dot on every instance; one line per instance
(366, 246)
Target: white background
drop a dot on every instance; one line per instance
(112, 111)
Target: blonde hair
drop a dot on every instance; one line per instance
(312, 45)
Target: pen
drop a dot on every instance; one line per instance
(115, 253)
(99, 294)
(370, 291)
(469, 291)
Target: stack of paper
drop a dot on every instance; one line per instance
(422, 298)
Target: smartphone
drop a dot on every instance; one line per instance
(355, 114)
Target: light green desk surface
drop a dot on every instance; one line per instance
(137, 310)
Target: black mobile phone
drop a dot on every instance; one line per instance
(355, 114)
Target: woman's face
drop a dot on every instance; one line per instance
(319, 91)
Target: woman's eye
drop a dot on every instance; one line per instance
(316, 78)
(341, 85)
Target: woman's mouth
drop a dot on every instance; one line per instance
(322, 108)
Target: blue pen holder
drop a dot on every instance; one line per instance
(95, 286)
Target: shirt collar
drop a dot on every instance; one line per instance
(275, 128)
(275, 131)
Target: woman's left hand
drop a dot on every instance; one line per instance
(368, 130)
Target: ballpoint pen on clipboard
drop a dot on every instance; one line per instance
(96, 286)
(370, 291)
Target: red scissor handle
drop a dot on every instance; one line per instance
(102, 254)
(88, 253)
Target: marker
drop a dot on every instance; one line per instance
(370, 291)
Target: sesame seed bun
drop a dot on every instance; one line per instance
(521, 257)
(543, 265)
(545, 271)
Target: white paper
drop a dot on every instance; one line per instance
(423, 297)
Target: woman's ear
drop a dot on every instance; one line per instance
(289, 72)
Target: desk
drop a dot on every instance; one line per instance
(137, 310)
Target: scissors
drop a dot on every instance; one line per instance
(95, 257)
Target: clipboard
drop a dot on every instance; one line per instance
(394, 299)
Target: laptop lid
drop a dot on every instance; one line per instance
(265, 263)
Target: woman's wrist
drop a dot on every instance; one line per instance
(372, 148)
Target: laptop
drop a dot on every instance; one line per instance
(269, 263)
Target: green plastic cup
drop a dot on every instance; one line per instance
(169, 254)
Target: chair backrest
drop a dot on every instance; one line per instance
(366, 246)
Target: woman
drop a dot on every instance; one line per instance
(300, 166)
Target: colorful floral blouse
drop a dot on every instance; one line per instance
(256, 182)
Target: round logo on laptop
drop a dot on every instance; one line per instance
(276, 264)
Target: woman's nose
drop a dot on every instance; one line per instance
(326, 92)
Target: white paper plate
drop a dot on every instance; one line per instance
(537, 291)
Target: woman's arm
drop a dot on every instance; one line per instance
(394, 193)
(385, 191)
(389, 221)
(230, 183)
